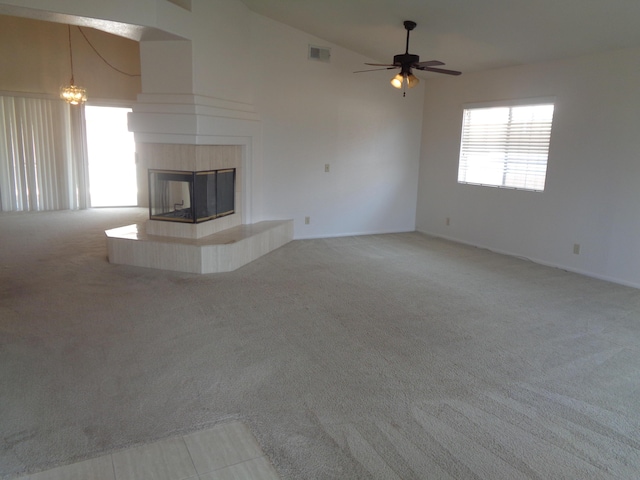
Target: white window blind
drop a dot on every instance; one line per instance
(506, 146)
(42, 155)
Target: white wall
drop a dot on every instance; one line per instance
(166, 66)
(221, 50)
(213, 62)
(316, 113)
(592, 195)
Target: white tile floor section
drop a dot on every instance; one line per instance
(225, 452)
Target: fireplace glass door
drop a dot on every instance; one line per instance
(191, 197)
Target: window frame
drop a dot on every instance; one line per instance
(529, 181)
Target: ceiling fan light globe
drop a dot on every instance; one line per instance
(397, 81)
(412, 80)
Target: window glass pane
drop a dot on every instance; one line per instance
(112, 162)
(506, 146)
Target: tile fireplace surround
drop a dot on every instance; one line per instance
(219, 245)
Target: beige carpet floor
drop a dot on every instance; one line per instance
(384, 356)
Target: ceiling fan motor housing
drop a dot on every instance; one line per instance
(405, 59)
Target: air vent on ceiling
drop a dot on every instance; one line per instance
(322, 54)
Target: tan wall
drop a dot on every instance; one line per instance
(34, 58)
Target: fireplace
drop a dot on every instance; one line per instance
(190, 184)
(191, 197)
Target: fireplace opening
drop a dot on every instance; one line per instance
(191, 197)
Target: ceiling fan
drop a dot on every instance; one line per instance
(405, 62)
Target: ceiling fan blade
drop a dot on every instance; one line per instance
(441, 70)
(375, 69)
(428, 63)
(384, 64)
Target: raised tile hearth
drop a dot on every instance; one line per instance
(223, 251)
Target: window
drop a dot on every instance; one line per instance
(112, 158)
(506, 146)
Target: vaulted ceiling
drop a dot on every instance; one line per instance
(468, 35)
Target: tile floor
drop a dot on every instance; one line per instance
(227, 451)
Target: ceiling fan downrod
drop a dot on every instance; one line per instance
(408, 25)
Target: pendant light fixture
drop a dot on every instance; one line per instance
(72, 93)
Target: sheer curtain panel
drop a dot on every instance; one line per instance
(42, 155)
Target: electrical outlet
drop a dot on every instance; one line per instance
(327, 167)
(447, 221)
(307, 220)
(576, 248)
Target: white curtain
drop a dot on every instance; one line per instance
(43, 162)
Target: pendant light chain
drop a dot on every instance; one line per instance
(104, 59)
(70, 55)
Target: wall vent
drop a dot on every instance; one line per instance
(321, 54)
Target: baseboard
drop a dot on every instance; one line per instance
(578, 271)
(352, 234)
